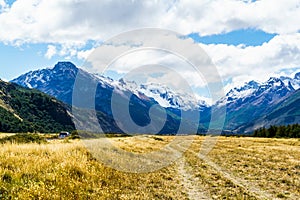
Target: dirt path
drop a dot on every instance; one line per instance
(190, 182)
(188, 179)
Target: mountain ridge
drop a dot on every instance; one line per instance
(254, 100)
(60, 82)
(46, 79)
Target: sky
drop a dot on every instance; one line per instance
(246, 40)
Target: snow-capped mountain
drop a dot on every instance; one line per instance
(239, 93)
(277, 86)
(293, 83)
(244, 105)
(46, 80)
(163, 95)
(59, 82)
(254, 100)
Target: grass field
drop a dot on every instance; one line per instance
(235, 168)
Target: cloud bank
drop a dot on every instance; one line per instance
(77, 21)
(68, 26)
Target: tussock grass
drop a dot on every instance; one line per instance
(68, 171)
(236, 168)
(142, 143)
(270, 164)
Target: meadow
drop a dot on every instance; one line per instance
(225, 168)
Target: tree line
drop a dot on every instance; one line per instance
(289, 131)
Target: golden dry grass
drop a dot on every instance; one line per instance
(2, 135)
(273, 165)
(142, 143)
(68, 171)
(236, 168)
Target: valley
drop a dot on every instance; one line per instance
(149, 100)
(235, 168)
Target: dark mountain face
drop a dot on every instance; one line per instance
(26, 110)
(95, 92)
(287, 111)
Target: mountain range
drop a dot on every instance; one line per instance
(59, 83)
(251, 106)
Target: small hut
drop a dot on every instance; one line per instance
(63, 135)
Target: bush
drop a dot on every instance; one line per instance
(74, 135)
(23, 138)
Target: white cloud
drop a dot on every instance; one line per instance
(279, 56)
(50, 52)
(84, 54)
(256, 63)
(158, 66)
(170, 60)
(154, 47)
(236, 63)
(75, 21)
(219, 16)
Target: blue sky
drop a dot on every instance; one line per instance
(247, 37)
(19, 60)
(243, 45)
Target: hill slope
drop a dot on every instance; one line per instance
(26, 110)
(285, 112)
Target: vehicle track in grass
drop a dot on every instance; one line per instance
(191, 182)
(252, 187)
(249, 187)
(187, 177)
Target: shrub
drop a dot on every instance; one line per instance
(23, 138)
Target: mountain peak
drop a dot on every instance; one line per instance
(275, 82)
(65, 65)
(273, 79)
(253, 84)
